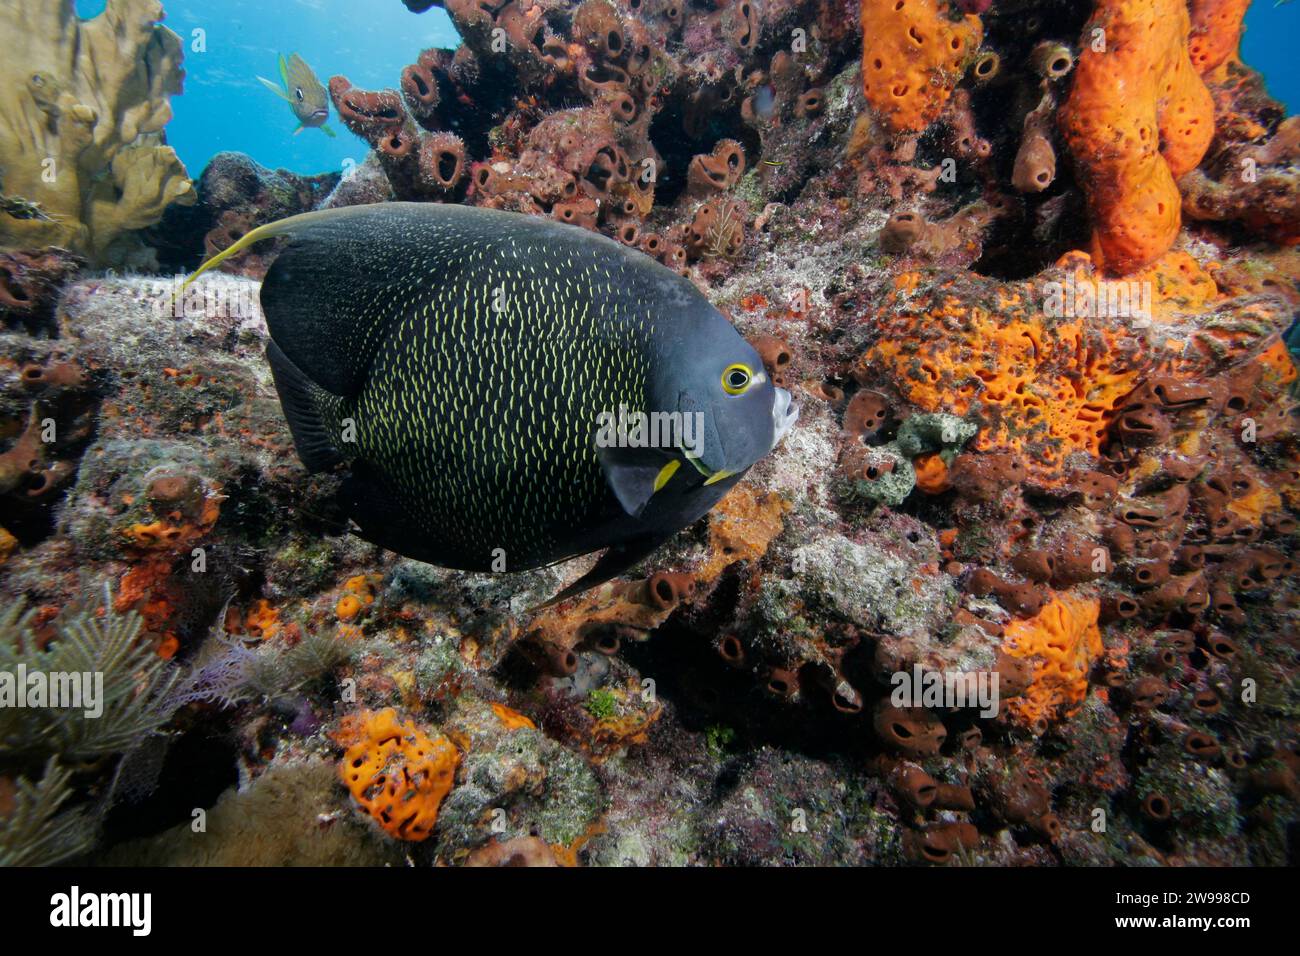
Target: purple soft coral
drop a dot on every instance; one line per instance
(222, 680)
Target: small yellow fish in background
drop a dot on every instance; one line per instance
(303, 92)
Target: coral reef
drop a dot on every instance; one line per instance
(1216, 31)
(235, 194)
(913, 54)
(82, 161)
(289, 816)
(1027, 558)
(30, 283)
(1064, 637)
(89, 691)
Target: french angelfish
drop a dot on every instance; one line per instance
(459, 360)
(303, 92)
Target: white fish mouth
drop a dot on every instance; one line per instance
(784, 414)
(320, 114)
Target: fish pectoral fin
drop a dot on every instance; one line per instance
(634, 476)
(329, 132)
(612, 563)
(274, 88)
(301, 127)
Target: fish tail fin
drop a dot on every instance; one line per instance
(305, 405)
(277, 90)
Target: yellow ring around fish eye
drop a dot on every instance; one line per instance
(736, 378)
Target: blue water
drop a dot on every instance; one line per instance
(1268, 45)
(370, 41)
(225, 108)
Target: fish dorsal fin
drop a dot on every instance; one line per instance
(316, 293)
(284, 71)
(349, 277)
(271, 230)
(278, 91)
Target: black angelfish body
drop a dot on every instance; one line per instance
(467, 363)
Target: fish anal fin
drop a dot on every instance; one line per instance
(382, 520)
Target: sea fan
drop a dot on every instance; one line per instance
(132, 706)
(222, 675)
(34, 832)
(94, 640)
(228, 672)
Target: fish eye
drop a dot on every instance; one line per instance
(299, 93)
(736, 378)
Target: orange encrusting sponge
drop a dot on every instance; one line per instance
(1138, 117)
(398, 775)
(1043, 389)
(511, 719)
(913, 54)
(1066, 640)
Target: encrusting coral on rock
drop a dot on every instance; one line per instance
(1029, 552)
(82, 161)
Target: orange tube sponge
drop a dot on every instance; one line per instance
(1137, 118)
(1216, 31)
(913, 54)
(1065, 638)
(398, 775)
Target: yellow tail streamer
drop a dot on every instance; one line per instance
(269, 231)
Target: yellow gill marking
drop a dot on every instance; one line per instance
(666, 473)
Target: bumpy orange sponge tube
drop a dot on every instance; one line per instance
(1065, 639)
(1137, 118)
(398, 775)
(913, 54)
(1216, 31)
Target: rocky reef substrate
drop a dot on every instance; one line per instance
(1035, 313)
